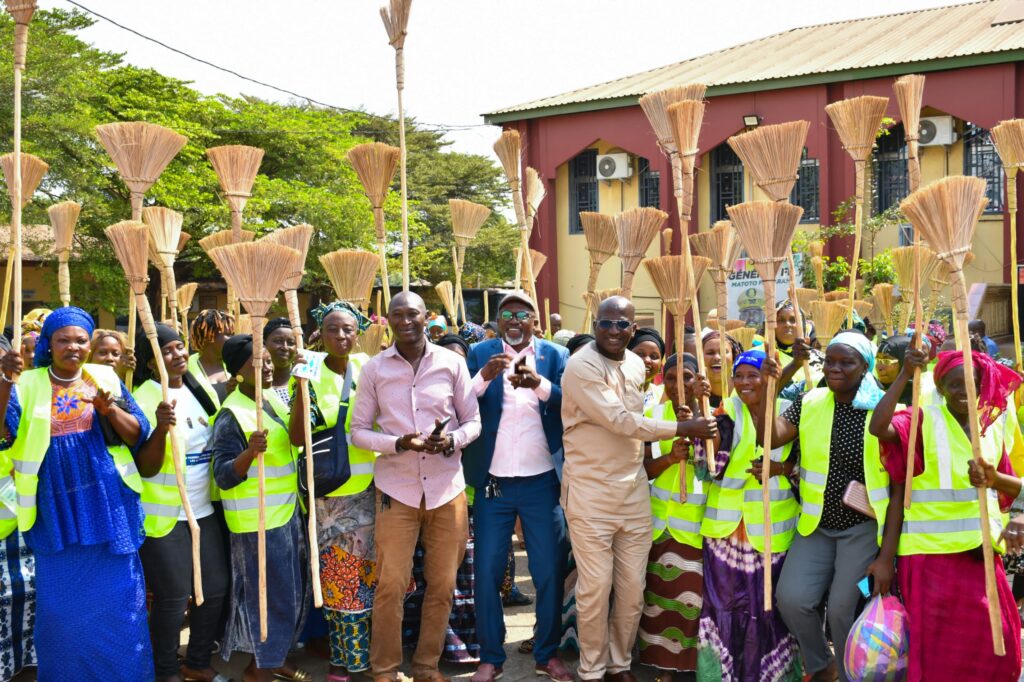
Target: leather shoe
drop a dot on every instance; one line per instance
(624, 676)
(556, 669)
(487, 672)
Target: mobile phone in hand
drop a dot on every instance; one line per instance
(439, 429)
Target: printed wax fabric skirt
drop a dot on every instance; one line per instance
(739, 642)
(17, 605)
(670, 622)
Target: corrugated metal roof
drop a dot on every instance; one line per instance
(942, 33)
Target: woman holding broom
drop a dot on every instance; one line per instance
(280, 343)
(345, 517)
(235, 445)
(942, 573)
(787, 331)
(716, 364)
(207, 335)
(738, 641)
(648, 344)
(77, 432)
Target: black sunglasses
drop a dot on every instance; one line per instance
(622, 325)
(521, 315)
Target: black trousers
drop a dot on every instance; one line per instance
(167, 563)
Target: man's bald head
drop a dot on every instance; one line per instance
(407, 316)
(614, 326)
(616, 307)
(407, 299)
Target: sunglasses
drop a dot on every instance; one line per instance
(621, 325)
(521, 315)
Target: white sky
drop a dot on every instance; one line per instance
(463, 57)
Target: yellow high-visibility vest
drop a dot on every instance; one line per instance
(681, 519)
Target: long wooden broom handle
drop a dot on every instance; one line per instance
(403, 183)
(16, 211)
(915, 401)
(63, 278)
(705, 403)
(8, 276)
(681, 393)
(858, 224)
(799, 317)
(291, 298)
(723, 314)
(385, 286)
(258, 323)
(766, 456)
(1011, 201)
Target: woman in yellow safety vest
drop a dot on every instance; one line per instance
(738, 640)
(209, 332)
(76, 433)
(715, 364)
(786, 333)
(235, 445)
(280, 343)
(669, 624)
(166, 553)
(648, 344)
(837, 537)
(936, 542)
(345, 517)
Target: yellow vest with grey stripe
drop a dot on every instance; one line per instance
(680, 519)
(816, 416)
(736, 496)
(35, 394)
(195, 368)
(281, 485)
(329, 388)
(8, 509)
(943, 517)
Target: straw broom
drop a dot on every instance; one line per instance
(637, 229)
(375, 163)
(829, 317)
(857, 121)
(909, 91)
(217, 240)
(593, 300)
(946, 212)
(689, 283)
(467, 219)
(884, 300)
(257, 270)
(396, 23)
(509, 150)
(602, 243)
(912, 265)
(370, 341)
(656, 107)
(805, 296)
(863, 308)
(535, 194)
(351, 274)
(165, 231)
(744, 336)
(766, 230)
(1008, 138)
(836, 296)
(447, 295)
(816, 249)
(185, 294)
(129, 240)
(63, 218)
(666, 249)
(537, 262)
(721, 246)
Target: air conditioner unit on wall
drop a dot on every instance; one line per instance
(614, 167)
(936, 130)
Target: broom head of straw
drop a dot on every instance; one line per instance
(836, 295)
(721, 245)
(857, 121)
(816, 249)
(165, 229)
(686, 118)
(446, 293)
(375, 164)
(637, 228)
(509, 149)
(243, 325)
(730, 325)
(130, 241)
(909, 91)
(664, 272)
(467, 219)
(903, 261)
(32, 171)
(772, 153)
(537, 260)
(236, 166)
(863, 308)
(185, 294)
(1008, 138)
(141, 151)
(744, 336)
(223, 238)
(601, 234)
(396, 21)
(884, 301)
(829, 317)
(946, 212)
(818, 265)
(21, 10)
(63, 218)
(372, 339)
(804, 296)
(656, 104)
(351, 273)
(766, 230)
(295, 237)
(256, 270)
(535, 191)
(183, 239)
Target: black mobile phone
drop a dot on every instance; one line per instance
(439, 429)
(521, 362)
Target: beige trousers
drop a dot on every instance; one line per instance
(611, 559)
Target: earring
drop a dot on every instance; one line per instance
(239, 379)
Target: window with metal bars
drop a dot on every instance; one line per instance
(726, 181)
(982, 161)
(890, 169)
(650, 184)
(805, 192)
(582, 187)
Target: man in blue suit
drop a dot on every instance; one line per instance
(517, 379)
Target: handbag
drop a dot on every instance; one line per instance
(331, 468)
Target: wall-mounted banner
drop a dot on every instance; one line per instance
(746, 292)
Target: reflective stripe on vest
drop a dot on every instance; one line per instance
(681, 519)
(160, 499)
(943, 517)
(817, 413)
(8, 516)
(738, 495)
(281, 483)
(328, 391)
(33, 440)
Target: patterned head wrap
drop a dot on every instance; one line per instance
(33, 320)
(69, 316)
(997, 382)
(472, 332)
(324, 309)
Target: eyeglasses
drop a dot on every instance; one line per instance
(521, 315)
(621, 325)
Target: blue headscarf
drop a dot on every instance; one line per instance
(324, 309)
(69, 316)
(472, 332)
(754, 358)
(869, 394)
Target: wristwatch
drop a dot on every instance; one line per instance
(398, 444)
(450, 448)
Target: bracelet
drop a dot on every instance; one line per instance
(6, 379)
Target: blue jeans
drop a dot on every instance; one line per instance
(534, 500)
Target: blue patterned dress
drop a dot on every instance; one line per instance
(90, 593)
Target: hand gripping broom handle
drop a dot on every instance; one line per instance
(291, 298)
(857, 229)
(915, 401)
(258, 323)
(176, 454)
(959, 295)
(799, 317)
(681, 391)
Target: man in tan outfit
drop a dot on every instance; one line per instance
(605, 493)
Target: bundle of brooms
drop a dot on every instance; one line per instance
(351, 273)
(884, 303)
(766, 230)
(602, 243)
(467, 219)
(185, 294)
(63, 218)
(912, 265)
(165, 232)
(257, 270)
(446, 293)
(509, 150)
(744, 336)
(721, 246)
(947, 212)
(375, 164)
(1008, 138)
(371, 340)
(130, 241)
(829, 317)
(224, 238)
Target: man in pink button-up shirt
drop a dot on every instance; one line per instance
(405, 392)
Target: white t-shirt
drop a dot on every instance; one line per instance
(195, 431)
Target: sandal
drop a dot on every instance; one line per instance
(526, 646)
(299, 675)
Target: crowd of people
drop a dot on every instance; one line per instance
(642, 517)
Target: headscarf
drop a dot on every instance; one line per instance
(5, 344)
(69, 316)
(647, 334)
(144, 353)
(320, 313)
(562, 337)
(237, 351)
(869, 393)
(895, 346)
(689, 362)
(275, 324)
(737, 349)
(453, 340)
(575, 342)
(437, 321)
(997, 382)
(754, 358)
(471, 332)
(33, 320)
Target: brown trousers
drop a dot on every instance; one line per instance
(443, 532)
